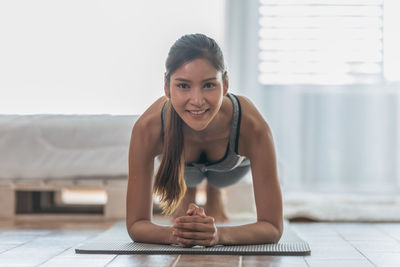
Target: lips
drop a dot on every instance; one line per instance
(197, 112)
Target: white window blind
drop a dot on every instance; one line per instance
(325, 42)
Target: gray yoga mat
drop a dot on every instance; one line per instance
(117, 241)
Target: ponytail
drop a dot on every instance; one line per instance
(169, 182)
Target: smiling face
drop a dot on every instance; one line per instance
(196, 91)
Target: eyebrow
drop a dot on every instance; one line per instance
(205, 80)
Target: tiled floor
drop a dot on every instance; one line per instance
(332, 244)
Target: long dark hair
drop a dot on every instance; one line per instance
(170, 181)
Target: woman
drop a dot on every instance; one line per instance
(199, 130)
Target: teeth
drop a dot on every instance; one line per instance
(197, 112)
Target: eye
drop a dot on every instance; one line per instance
(209, 85)
(183, 85)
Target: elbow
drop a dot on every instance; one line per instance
(132, 235)
(131, 231)
(274, 232)
(135, 230)
(278, 231)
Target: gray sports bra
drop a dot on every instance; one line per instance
(231, 160)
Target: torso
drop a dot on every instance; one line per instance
(212, 147)
(211, 151)
(215, 148)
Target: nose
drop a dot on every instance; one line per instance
(197, 97)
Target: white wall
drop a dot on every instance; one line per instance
(88, 56)
(391, 40)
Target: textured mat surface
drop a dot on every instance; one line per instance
(117, 241)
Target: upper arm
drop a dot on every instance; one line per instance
(259, 148)
(145, 144)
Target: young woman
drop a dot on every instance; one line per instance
(200, 131)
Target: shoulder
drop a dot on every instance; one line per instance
(251, 120)
(253, 127)
(147, 129)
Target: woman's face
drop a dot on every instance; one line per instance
(196, 91)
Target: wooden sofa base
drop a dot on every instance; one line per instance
(239, 198)
(114, 208)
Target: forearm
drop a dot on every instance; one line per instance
(256, 233)
(148, 232)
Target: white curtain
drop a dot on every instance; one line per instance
(337, 133)
(327, 80)
(336, 140)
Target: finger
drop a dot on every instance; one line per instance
(193, 235)
(192, 209)
(194, 227)
(195, 219)
(200, 212)
(184, 246)
(188, 218)
(191, 242)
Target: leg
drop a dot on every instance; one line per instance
(215, 182)
(190, 197)
(215, 205)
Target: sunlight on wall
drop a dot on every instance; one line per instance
(93, 57)
(392, 40)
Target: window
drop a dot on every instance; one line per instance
(320, 42)
(325, 75)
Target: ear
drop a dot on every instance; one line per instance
(225, 83)
(166, 86)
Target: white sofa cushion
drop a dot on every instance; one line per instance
(60, 146)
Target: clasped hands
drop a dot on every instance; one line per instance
(196, 228)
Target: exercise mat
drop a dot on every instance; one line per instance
(117, 241)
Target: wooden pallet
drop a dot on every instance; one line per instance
(239, 198)
(11, 197)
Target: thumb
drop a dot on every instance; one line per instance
(200, 212)
(192, 209)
